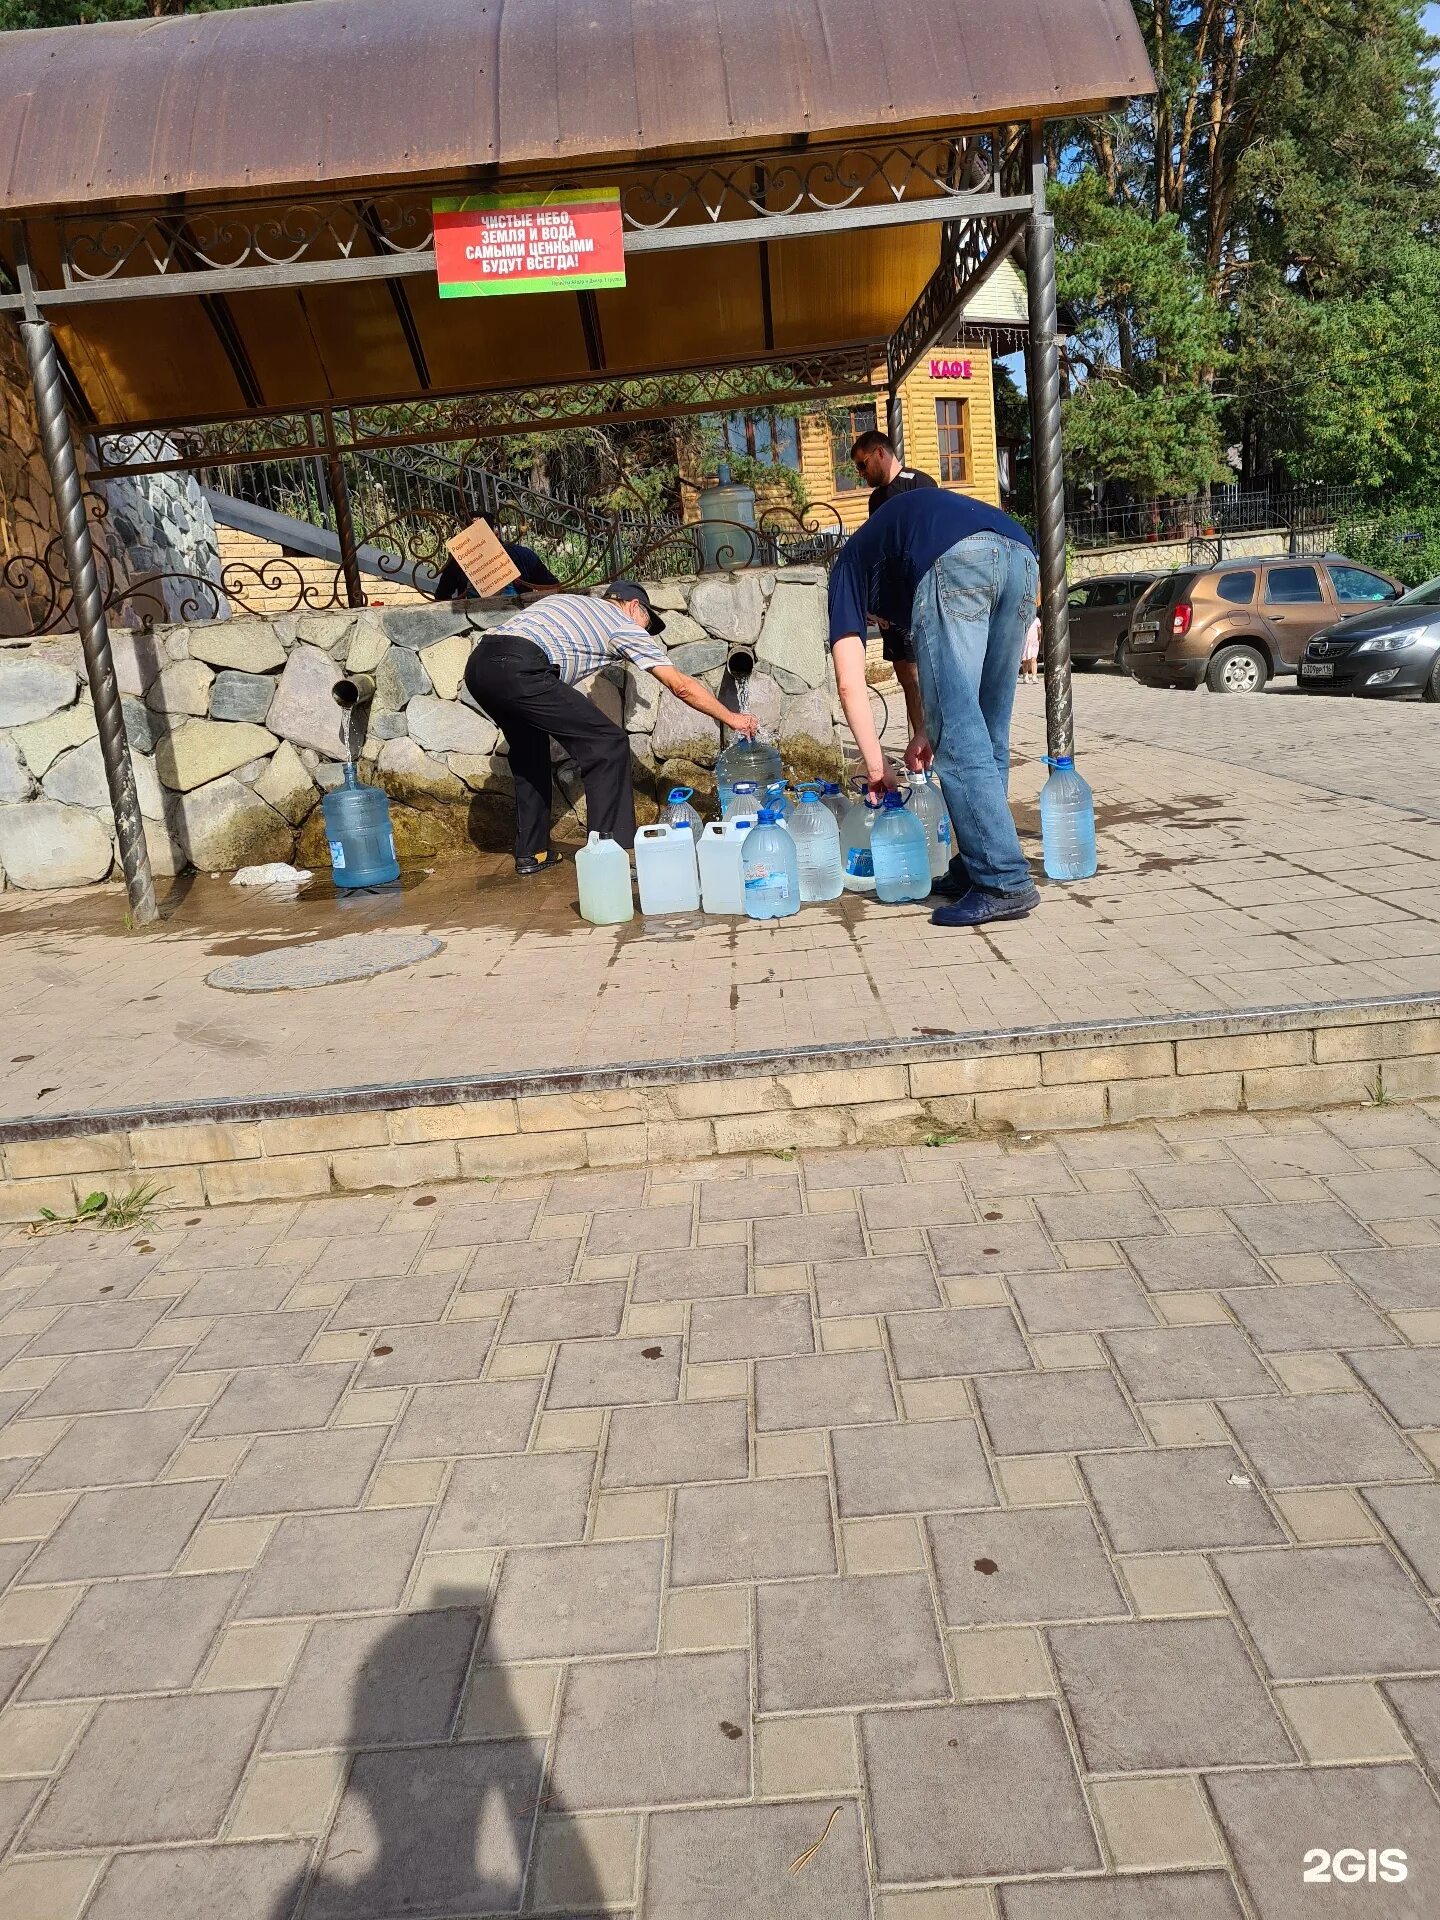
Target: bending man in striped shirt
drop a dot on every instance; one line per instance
(526, 676)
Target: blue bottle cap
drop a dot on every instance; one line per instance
(894, 801)
(768, 816)
(679, 795)
(745, 786)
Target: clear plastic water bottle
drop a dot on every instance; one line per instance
(360, 836)
(602, 867)
(857, 863)
(1067, 822)
(834, 800)
(772, 870)
(927, 803)
(754, 762)
(901, 853)
(812, 827)
(743, 798)
(679, 813)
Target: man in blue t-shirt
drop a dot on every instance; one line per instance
(963, 578)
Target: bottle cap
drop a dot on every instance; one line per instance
(768, 816)
(679, 795)
(745, 786)
(894, 801)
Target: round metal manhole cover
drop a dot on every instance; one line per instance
(324, 963)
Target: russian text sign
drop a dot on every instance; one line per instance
(528, 243)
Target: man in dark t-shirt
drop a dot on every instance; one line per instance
(535, 576)
(879, 466)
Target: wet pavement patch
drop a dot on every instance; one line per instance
(324, 963)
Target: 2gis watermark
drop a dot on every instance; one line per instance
(1355, 1866)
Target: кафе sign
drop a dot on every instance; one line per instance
(529, 243)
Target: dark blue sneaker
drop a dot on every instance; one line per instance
(979, 906)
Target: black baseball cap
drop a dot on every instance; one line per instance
(632, 590)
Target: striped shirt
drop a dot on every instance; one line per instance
(581, 634)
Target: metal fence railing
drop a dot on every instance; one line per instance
(1223, 510)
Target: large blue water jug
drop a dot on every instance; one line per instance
(357, 826)
(901, 852)
(1067, 822)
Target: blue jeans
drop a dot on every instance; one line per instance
(972, 612)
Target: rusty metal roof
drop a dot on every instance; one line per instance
(345, 92)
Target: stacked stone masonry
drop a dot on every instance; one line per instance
(235, 734)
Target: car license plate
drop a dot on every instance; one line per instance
(1146, 626)
(1317, 670)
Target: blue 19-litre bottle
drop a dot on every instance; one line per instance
(357, 826)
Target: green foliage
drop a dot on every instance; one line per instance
(109, 1211)
(18, 14)
(1145, 341)
(1401, 540)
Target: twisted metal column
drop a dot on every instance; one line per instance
(1047, 462)
(895, 421)
(90, 616)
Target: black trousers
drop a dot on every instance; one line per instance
(514, 682)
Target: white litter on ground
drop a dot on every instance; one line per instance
(276, 874)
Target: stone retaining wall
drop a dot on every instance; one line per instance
(235, 735)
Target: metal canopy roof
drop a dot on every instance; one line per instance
(342, 92)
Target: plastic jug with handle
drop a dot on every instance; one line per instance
(834, 800)
(901, 853)
(1067, 822)
(602, 867)
(666, 869)
(856, 860)
(771, 869)
(677, 811)
(927, 803)
(722, 884)
(811, 825)
(743, 798)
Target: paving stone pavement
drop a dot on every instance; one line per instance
(1011, 1529)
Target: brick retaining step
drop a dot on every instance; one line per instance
(350, 1139)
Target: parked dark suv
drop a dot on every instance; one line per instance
(1100, 613)
(1238, 625)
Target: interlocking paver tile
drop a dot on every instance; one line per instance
(878, 1284)
(392, 1681)
(1080, 1302)
(599, 1191)
(654, 1732)
(564, 1313)
(602, 1373)
(1418, 1704)
(134, 1636)
(1055, 1413)
(1182, 1262)
(108, 1449)
(455, 1350)
(997, 1248)
(525, 1499)
(381, 1302)
(1030, 1172)
(290, 1472)
(1320, 1439)
(1315, 1226)
(1298, 1319)
(647, 1230)
(937, 1204)
(99, 1383)
(16, 1799)
(758, 1327)
(225, 1290)
(1008, 1767)
(808, 1237)
(555, 1602)
(1022, 1566)
(243, 1883)
(277, 1400)
(956, 1341)
(524, 1263)
(849, 1642)
(438, 1829)
(334, 1563)
(925, 1468)
(695, 1273)
(755, 1530)
(1215, 1185)
(485, 1224)
(1391, 1195)
(15, 1663)
(1411, 1517)
(1405, 1380)
(1273, 1819)
(734, 1863)
(99, 1329)
(1319, 1613)
(376, 1255)
(150, 1770)
(224, 1243)
(749, 1199)
(1177, 1498)
(1154, 1695)
(1136, 1896)
(490, 1416)
(1187, 1363)
(827, 1169)
(660, 1446)
(253, 1340)
(1097, 1216)
(123, 1530)
(821, 1389)
(1405, 1279)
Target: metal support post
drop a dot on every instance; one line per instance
(90, 616)
(344, 518)
(1047, 460)
(895, 422)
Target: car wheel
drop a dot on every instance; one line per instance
(1122, 655)
(1431, 689)
(1237, 670)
